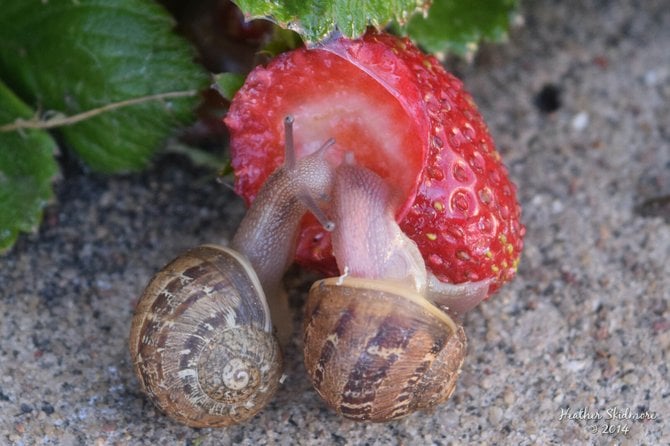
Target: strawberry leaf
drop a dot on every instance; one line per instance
(457, 26)
(227, 84)
(316, 20)
(27, 168)
(282, 40)
(119, 60)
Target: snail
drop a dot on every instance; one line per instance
(201, 338)
(383, 339)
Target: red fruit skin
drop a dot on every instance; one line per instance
(466, 218)
(459, 206)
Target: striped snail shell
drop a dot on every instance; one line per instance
(378, 352)
(377, 345)
(201, 340)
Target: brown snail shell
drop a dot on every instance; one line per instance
(376, 352)
(201, 340)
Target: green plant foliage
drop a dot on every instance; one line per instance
(314, 20)
(227, 84)
(27, 168)
(458, 25)
(282, 40)
(449, 25)
(72, 57)
(111, 78)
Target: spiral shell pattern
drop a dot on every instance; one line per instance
(201, 340)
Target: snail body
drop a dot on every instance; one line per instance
(202, 340)
(378, 341)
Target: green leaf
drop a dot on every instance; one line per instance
(458, 25)
(198, 157)
(317, 19)
(119, 58)
(27, 168)
(227, 84)
(282, 40)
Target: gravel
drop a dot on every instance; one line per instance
(578, 101)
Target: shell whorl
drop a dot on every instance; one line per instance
(378, 356)
(201, 340)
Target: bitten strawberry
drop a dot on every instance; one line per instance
(405, 118)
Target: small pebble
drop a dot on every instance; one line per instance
(508, 397)
(47, 408)
(495, 415)
(580, 121)
(630, 378)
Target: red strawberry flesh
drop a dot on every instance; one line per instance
(327, 98)
(405, 118)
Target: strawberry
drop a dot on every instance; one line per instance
(406, 119)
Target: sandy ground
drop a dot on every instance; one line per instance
(578, 101)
